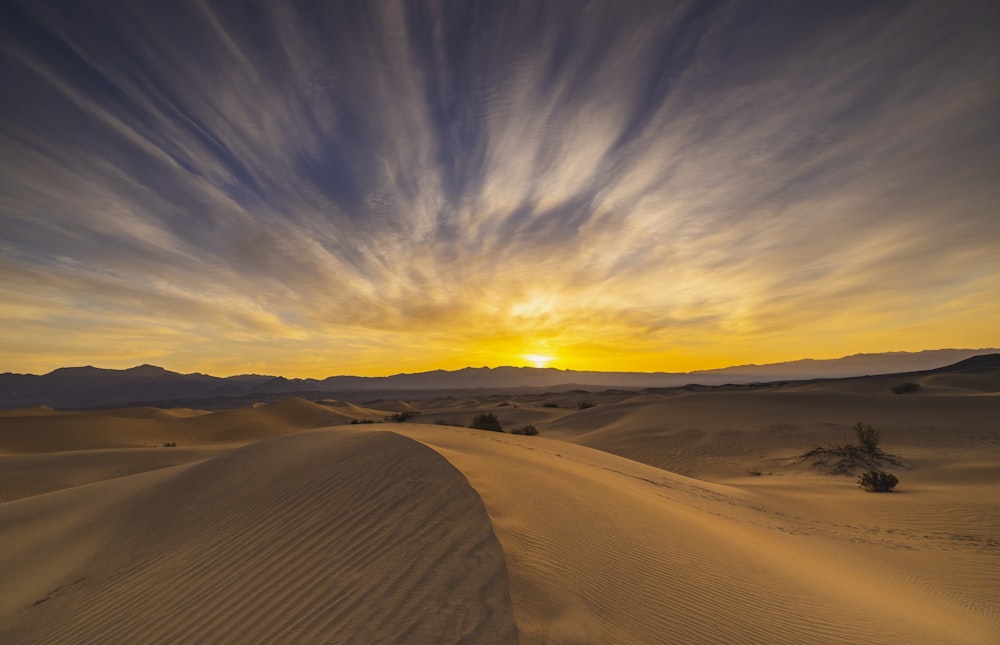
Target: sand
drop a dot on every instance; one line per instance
(655, 517)
(332, 535)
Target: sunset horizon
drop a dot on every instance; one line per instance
(527, 361)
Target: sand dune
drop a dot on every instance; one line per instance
(723, 434)
(324, 536)
(655, 517)
(602, 549)
(37, 431)
(27, 475)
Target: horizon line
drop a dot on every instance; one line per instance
(518, 367)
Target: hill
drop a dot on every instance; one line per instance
(91, 387)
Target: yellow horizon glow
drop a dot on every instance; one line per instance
(538, 360)
(292, 360)
(582, 328)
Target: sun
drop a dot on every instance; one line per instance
(538, 360)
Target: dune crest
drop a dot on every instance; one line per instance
(322, 536)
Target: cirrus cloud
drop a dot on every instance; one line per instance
(379, 186)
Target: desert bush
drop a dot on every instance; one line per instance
(868, 437)
(405, 415)
(550, 405)
(877, 481)
(169, 444)
(527, 430)
(446, 422)
(486, 421)
(905, 388)
(359, 421)
(845, 459)
(583, 405)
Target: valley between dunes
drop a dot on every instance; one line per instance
(680, 516)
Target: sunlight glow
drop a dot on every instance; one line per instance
(538, 360)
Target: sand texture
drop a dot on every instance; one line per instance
(324, 536)
(682, 516)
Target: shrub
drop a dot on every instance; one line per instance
(359, 421)
(868, 437)
(527, 430)
(583, 405)
(550, 405)
(877, 481)
(849, 458)
(446, 422)
(486, 421)
(169, 444)
(905, 388)
(400, 417)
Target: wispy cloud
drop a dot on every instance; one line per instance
(379, 186)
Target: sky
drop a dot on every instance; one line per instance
(375, 187)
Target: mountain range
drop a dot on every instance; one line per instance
(92, 387)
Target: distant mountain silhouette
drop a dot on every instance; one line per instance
(976, 364)
(91, 387)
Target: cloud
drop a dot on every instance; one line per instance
(439, 179)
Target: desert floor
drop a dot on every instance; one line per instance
(681, 516)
